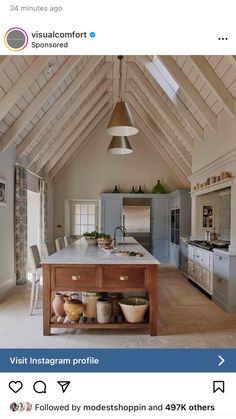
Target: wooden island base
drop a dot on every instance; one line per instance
(99, 278)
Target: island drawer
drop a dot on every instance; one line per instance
(78, 278)
(122, 277)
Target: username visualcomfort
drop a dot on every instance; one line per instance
(55, 35)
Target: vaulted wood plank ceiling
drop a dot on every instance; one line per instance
(52, 106)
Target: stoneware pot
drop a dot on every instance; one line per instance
(89, 300)
(58, 304)
(73, 308)
(134, 308)
(115, 308)
(104, 309)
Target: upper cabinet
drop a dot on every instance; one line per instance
(111, 212)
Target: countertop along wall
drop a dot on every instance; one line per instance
(7, 276)
(95, 171)
(216, 154)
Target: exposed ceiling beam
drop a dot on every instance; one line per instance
(21, 84)
(83, 95)
(153, 141)
(4, 60)
(189, 90)
(159, 80)
(160, 104)
(162, 124)
(72, 125)
(57, 106)
(15, 129)
(215, 82)
(87, 136)
(104, 102)
(161, 137)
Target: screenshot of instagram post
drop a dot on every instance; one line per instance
(117, 209)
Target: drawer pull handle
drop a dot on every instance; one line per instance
(75, 277)
(220, 258)
(124, 278)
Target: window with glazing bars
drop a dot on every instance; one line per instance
(84, 217)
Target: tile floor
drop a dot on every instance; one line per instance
(186, 319)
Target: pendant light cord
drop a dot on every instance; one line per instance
(120, 57)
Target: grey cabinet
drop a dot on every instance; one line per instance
(184, 250)
(111, 212)
(224, 283)
(180, 222)
(160, 227)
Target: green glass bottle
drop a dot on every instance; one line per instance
(158, 188)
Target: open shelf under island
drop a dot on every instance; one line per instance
(79, 267)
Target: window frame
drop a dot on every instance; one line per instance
(69, 214)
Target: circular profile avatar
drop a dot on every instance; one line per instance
(21, 407)
(28, 406)
(14, 407)
(16, 39)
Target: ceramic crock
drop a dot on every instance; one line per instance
(73, 308)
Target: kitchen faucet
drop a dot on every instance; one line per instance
(123, 231)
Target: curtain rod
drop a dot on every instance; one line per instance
(29, 171)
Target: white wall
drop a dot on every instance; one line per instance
(216, 144)
(216, 154)
(7, 278)
(95, 171)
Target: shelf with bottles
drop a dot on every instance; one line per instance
(211, 185)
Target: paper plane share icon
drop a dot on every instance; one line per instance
(64, 385)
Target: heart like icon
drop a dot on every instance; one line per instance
(15, 386)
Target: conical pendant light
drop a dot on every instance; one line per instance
(119, 145)
(121, 122)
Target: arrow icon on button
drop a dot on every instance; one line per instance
(64, 385)
(221, 360)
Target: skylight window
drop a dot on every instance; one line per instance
(165, 73)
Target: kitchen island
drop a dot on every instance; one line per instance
(80, 267)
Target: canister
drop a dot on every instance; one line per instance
(90, 303)
(104, 309)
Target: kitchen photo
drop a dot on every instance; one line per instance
(118, 201)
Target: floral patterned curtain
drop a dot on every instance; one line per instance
(21, 225)
(43, 225)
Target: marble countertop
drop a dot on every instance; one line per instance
(80, 253)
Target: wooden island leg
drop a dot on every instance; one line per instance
(153, 300)
(46, 300)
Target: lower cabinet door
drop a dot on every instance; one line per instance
(174, 254)
(220, 288)
(190, 269)
(197, 273)
(207, 280)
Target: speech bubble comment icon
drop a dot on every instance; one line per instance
(39, 387)
(16, 39)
